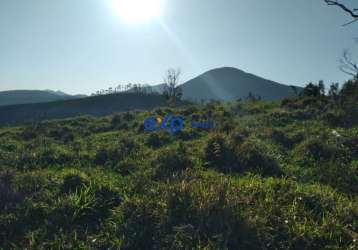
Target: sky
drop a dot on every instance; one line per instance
(80, 46)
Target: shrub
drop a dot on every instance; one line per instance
(64, 134)
(142, 219)
(316, 150)
(52, 155)
(159, 139)
(172, 161)
(226, 126)
(124, 148)
(29, 133)
(252, 158)
(343, 177)
(73, 182)
(335, 117)
(351, 143)
(85, 208)
(31, 183)
(238, 136)
(190, 111)
(217, 153)
(116, 121)
(280, 137)
(187, 135)
(127, 116)
(154, 140)
(8, 196)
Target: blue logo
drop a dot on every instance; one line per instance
(172, 124)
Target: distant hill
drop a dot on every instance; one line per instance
(96, 106)
(227, 84)
(14, 97)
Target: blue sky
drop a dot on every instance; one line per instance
(80, 46)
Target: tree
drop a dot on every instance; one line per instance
(312, 90)
(350, 90)
(321, 88)
(334, 90)
(353, 12)
(172, 90)
(252, 98)
(348, 65)
(295, 90)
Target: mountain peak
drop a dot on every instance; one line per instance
(229, 83)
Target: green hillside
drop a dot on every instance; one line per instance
(270, 175)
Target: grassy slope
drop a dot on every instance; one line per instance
(264, 178)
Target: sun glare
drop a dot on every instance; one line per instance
(137, 11)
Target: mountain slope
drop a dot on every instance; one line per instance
(229, 84)
(96, 106)
(14, 97)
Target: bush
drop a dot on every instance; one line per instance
(343, 177)
(111, 155)
(316, 150)
(217, 153)
(159, 139)
(127, 116)
(53, 155)
(238, 136)
(8, 196)
(116, 121)
(190, 111)
(252, 158)
(85, 208)
(281, 138)
(171, 162)
(154, 140)
(73, 182)
(351, 143)
(335, 117)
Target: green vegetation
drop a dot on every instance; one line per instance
(271, 175)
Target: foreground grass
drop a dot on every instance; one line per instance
(266, 177)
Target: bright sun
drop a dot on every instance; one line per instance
(137, 11)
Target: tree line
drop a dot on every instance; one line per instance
(129, 88)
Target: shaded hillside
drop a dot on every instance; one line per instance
(268, 176)
(229, 84)
(97, 106)
(14, 97)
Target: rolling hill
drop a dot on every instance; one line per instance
(227, 84)
(96, 106)
(223, 84)
(14, 97)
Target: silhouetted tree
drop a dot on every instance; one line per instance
(295, 90)
(350, 90)
(312, 90)
(353, 12)
(252, 97)
(333, 90)
(321, 88)
(172, 90)
(348, 65)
